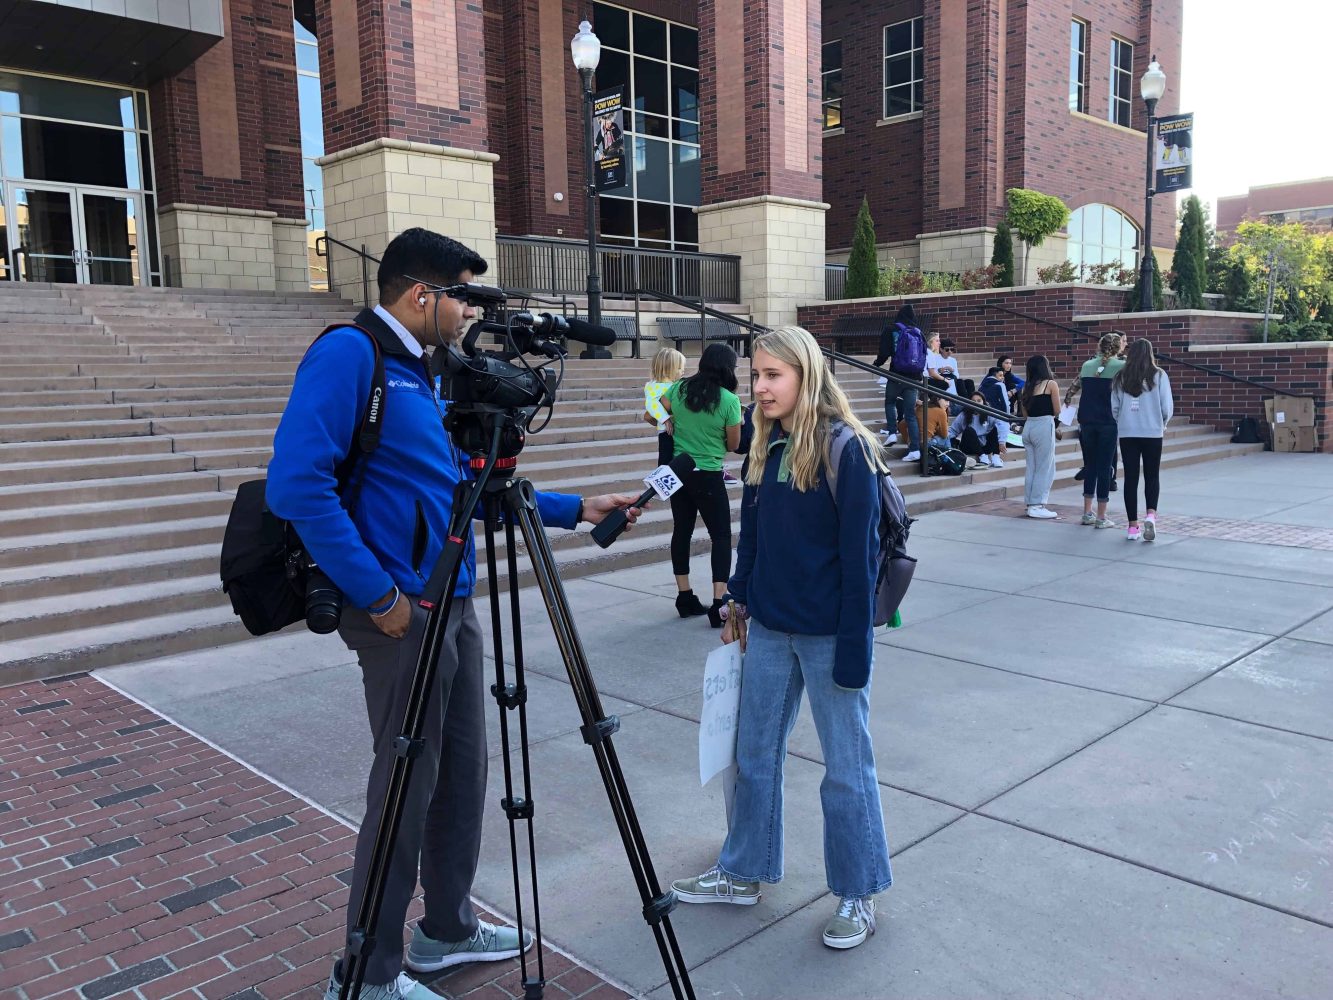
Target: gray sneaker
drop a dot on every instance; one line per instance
(488, 944)
(402, 988)
(852, 922)
(716, 886)
(1088, 519)
(1104, 522)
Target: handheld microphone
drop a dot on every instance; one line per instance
(664, 481)
(590, 334)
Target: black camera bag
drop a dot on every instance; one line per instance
(258, 545)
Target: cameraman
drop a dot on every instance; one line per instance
(380, 557)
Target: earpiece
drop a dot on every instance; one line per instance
(422, 300)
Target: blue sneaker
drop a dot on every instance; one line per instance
(402, 988)
(488, 944)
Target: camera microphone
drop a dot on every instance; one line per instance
(662, 482)
(590, 334)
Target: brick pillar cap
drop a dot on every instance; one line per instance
(763, 199)
(180, 206)
(453, 152)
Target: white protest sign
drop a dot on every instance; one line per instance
(722, 705)
(664, 481)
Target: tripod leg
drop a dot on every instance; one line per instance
(597, 731)
(511, 697)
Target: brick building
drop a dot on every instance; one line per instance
(1308, 202)
(203, 142)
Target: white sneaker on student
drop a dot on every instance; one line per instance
(1041, 512)
(996, 462)
(983, 461)
(912, 456)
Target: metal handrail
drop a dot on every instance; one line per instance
(14, 260)
(1170, 358)
(836, 356)
(362, 253)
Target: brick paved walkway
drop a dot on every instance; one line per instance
(138, 861)
(1263, 532)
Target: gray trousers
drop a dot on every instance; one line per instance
(441, 824)
(1039, 460)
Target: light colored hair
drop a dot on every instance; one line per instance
(1110, 344)
(820, 402)
(668, 365)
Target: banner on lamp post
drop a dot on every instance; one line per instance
(608, 138)
(1174, 154)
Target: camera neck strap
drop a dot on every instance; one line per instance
(351, 471)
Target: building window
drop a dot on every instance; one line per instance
(1078, 66)
(657, 62)
(1099, 234)
(311, 111)
(1122, 81)
(904, 68)
(831, 72)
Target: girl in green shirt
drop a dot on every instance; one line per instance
(706, 421)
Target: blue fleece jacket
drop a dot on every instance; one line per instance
(806, 565)
(398, 528)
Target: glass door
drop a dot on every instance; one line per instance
(46, 239)
(110, 238)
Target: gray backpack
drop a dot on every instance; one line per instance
(895, 565)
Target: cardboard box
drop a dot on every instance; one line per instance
(1289, 411)
(1286, 437)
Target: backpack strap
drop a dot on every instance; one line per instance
(351, 471)
(839, 438)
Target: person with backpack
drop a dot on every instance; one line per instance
(1040, 400)
(706, 418)
(1097, 428)
(380, 556)
(902, 344)
(980, 435)
(1142, 406)
(805, 582)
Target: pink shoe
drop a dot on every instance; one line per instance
(1132, 533)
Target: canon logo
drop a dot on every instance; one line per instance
(375, 398)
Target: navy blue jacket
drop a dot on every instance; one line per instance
(398, 528)
(806, 565)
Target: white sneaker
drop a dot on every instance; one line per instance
(996, 462)
(1041, 512)
(912, 456)
(983, 461)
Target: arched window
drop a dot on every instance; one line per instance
(1100, 234)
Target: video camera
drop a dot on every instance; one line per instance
(486, 388)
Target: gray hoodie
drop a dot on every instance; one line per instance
(1145, 415)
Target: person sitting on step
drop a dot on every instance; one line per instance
(980, 435)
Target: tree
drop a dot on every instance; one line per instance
(863, 264)
(1289, 270)
(1034, 216)
(1190, 263)
(1002, 256)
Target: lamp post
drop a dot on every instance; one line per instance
(1151, 88)
(586, 49)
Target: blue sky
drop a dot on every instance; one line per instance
(1259, 78)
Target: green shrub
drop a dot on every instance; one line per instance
(863, 263)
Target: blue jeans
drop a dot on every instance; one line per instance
(900, 404)
(1098, 444)
(856, 853)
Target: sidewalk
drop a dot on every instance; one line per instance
(1106, 770)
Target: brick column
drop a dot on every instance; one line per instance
(963, 147)
(762, 149)
(226, 139)
(405, 126)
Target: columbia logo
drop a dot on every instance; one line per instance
(398, 383)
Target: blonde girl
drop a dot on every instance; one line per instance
(668, 367)
(804, 580)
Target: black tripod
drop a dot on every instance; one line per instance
(505, 502)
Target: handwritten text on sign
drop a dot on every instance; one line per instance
(722, 704)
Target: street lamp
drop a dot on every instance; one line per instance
(586, 49)
(1151, 88)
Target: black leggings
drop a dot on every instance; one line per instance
(974, 444)
(1150, 450)
(1098, 444)
(704, 493)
